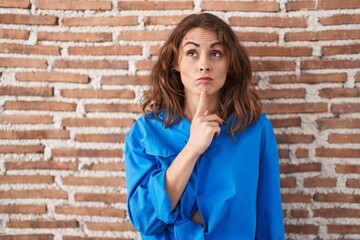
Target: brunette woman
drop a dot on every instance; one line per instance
(202, 163)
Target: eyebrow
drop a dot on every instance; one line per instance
(198, 45)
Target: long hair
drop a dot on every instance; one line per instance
(166, 91)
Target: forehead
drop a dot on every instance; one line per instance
(200, 36)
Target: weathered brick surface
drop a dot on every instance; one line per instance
(72, 73)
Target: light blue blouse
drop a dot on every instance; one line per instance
(235, 183)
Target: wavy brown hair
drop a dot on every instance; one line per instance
(166, 91)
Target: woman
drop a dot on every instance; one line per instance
(202, 162)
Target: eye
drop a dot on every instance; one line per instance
(216, 53)
(191, 53)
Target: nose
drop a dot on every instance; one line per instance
(204, 69)
(204, 65)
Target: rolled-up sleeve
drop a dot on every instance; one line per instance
(149, 205)
(269, 210)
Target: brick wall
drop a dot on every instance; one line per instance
(73, 71)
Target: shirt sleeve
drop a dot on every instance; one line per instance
(269, 210)
(148, 204)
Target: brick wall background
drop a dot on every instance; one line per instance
(73, 71)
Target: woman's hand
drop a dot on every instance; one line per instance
(203, 126)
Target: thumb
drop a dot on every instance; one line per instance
(202, 106)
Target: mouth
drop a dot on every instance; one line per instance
(204, 80)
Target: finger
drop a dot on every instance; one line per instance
(213, 118)
(201, 107)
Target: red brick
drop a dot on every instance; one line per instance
(144, 65)
(302, 153)
(281, 93)
(320, 182)
(262, 65)
(288, 182)
(25, 119)
(345, 107)
(337, 213)
(301, 167)
(29, 49)
(340, 19)
(347, 169)
(106, 50)
(294, 138)
(129, 79)
(332, 64)
(257, 36)
(14, 34)
(271, 108)
(21, 149)
(295, 197)
(91, 211)
(73, 5)
(52, 77)
(28, 19)
(125, 93)
(22, 209)
(338, 153)
(343, 229)
(279, 51)
(337, 197)
(42, 223)
(26, 179)
(35, 134)
(40, 105)
(15, 4)
(94, 64)
(40, 165)
(301, 229)
(155, 5)
(117, 167)
(22, 62)
(280, 22)
(326, 123)
(89, 153)
(163, 20)
(27, 237)
(35, 194)
(321, 4)
(74, 37)
(94, 181)
(300, 213)
(100, 197)
(309, 78)
(286, 122)
(353, 183)
(26, 91)
(339, 92)
(254, 6)
(283, 153)
(97, 122)
(323, 35)
(343, 49)
(101, 21)
(104, 107)
(145, 35)
(357, 77)
(100, 137)
(344, 138)
(119, 227)
(90, 238)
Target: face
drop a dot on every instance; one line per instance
(202, 63)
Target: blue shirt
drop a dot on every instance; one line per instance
(235, 184)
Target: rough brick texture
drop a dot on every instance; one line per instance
(72, 73)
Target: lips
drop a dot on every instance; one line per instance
(205, 79)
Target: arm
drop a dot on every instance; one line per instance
(148, 204)
(203, 129)
(269, 210)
